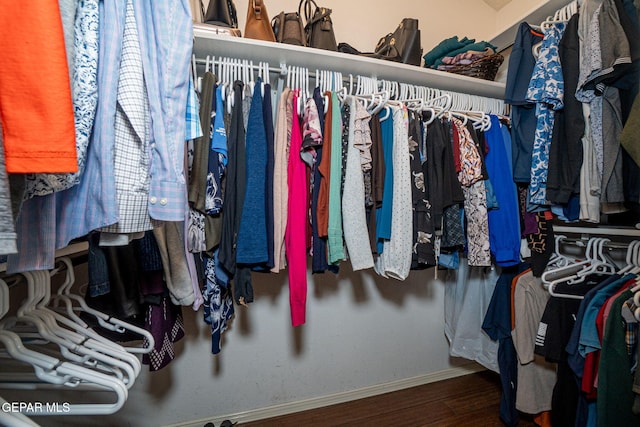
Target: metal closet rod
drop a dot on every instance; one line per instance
(348, 79)
(582, 242)
(598, 231)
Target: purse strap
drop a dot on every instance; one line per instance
(201, 11)
(308, 9)
(233, 13)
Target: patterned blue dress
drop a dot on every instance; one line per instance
(546, 89)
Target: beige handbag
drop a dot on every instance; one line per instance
(258, 25)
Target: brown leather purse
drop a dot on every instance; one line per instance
(258, 25)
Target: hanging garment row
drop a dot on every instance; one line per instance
(572, 83)
(56, 340)
(570, 351)
(375, 180)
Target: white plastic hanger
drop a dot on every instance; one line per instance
(595, 262)
(82, 335)
(14, 419)
(72, 346)
(558, 259)
(630, 257)
(52, 370)
(104, 320)
(566, 272)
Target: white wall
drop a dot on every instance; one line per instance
(361, 330)
(514, 11)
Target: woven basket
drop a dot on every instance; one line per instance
(484, 68)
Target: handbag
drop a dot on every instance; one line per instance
(221, 16)
(319, 27)
(258, 25)
(403, 45)
(288, 28)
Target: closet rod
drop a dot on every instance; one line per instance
(583, 243)
(282, 71)
(606, 231)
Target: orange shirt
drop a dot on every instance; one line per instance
(36, 108)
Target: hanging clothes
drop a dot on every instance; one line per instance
(467, 297)
(536, 377)
(565, 153)
(8, 236)
(82, 26)
(198, 178)
(234, 201)
(54, 220)
(280, 181)
(295, 234)
(475, 199)
(423, 233)
(218, 302)
(546, 89)
(132, 137)
(377, 174)
(497, 325)
(216, 157)
(523, 118)
(395, 259)
(353, 198)
(385, 212)
(319, 245)
(335, 244)
(554, 331)
(443, 187)
(504, 223)
(269, 206)
(23, 95)
(252, 233)
(615, 393)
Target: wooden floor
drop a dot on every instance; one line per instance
(468, 401)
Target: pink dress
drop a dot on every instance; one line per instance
(295, 234)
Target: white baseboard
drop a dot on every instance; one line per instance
(332, 399)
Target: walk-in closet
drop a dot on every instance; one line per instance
(231, 212)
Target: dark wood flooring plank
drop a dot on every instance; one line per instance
(467, 401)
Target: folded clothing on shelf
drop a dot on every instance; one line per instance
(453, 46)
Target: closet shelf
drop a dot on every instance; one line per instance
(71, 249)
(208, 43)
(538, 13)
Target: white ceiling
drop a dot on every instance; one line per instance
(497, 4)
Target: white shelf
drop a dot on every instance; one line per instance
(506, 37)
(208, 43)
(71, 249)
